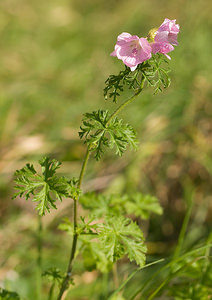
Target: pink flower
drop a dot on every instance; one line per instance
(165, 37)
(168, 30)
(161, 47)
(132, 50)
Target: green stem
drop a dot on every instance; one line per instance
(65, 283)
(104, 289)
(40, 229)
(115, 276)
(39, 257)
(51, 291)
(85, 161)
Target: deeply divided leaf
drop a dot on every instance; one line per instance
(100, 132)
(156, 73)
(44, 188)
(120, 236)
(104, 243)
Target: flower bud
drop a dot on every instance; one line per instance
(151, 35)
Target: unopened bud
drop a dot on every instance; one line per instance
(151, 35)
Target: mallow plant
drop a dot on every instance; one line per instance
(110, 230)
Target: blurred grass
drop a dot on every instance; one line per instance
(54, 59)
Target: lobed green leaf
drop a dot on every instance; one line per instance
(45, 188)
(105, 243)
(99, 133)
(120, 236)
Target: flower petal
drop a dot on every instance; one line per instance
(123, 36)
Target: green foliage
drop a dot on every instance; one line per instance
(53, 275)
(100, 131)
(142, 205)
(155, 73)
(187, 276)
(137, 204)
(72, 188)
(152, 71)
(45, 188)
(117, 297)
(121, 135)
(92, 253)
(67, 226)
(120, 236)
(115, 83)
(101, 205)
(193, 278)
(6, 295)
(85, 227)
(105, 243)
(93, 256)
(29, 89)
(190, 289)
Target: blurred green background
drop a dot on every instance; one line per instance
(54, 59)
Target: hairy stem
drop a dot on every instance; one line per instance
(65, 283)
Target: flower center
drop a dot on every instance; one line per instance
(135, 51)
(134, 46)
